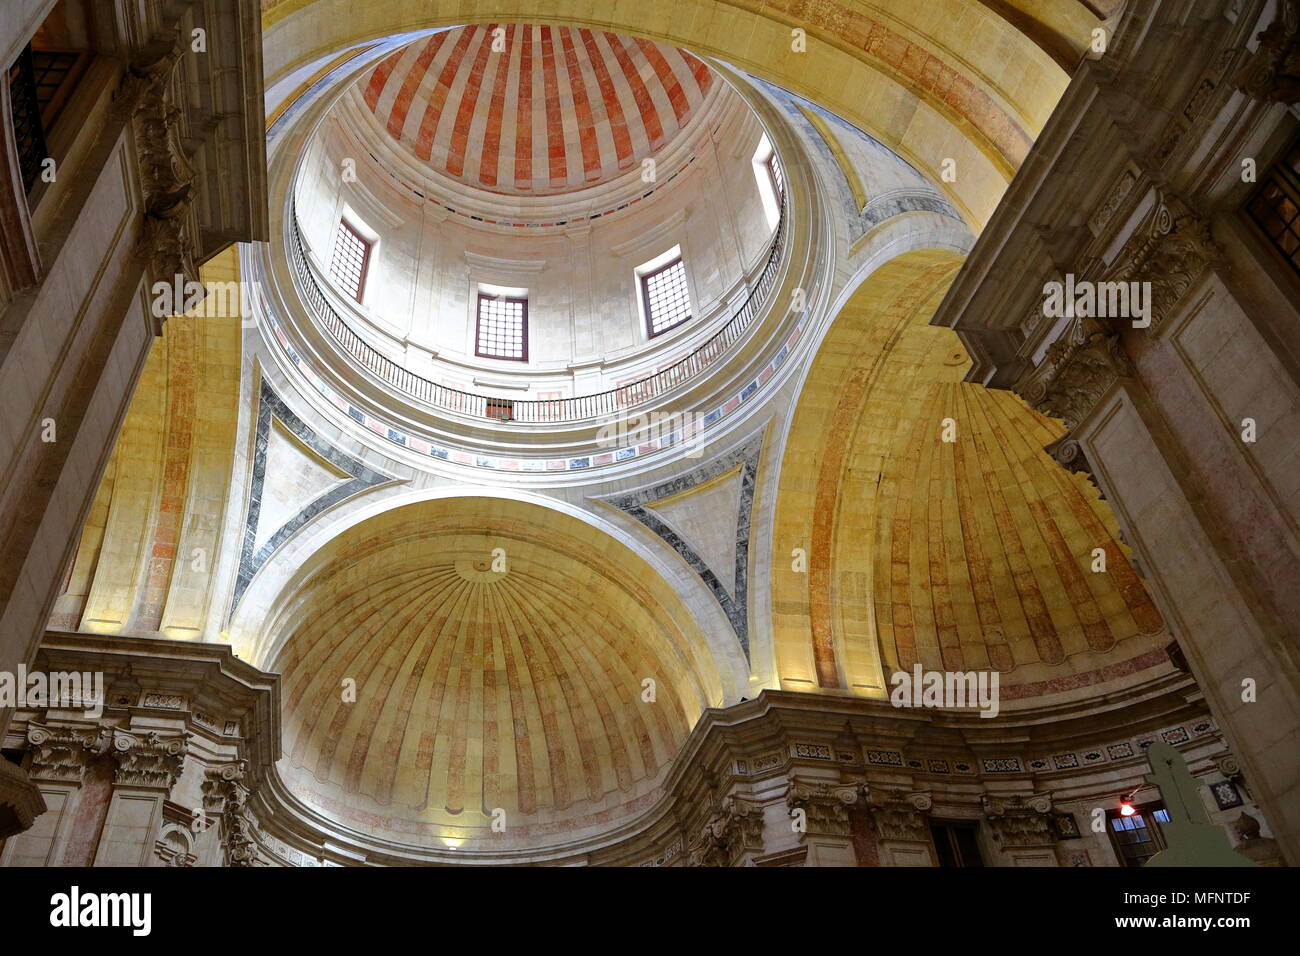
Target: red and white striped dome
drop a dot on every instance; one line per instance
(535, 109)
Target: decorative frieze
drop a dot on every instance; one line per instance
(666, 857)
(811, 751)
(163, 701)
(1194, 107)
(1118, 193)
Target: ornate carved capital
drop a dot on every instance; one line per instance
(20, 800)
(825, 806)
(150, 760)
(1019, 820)
(737, 824)
(1077, 370)
(61, 753)
(1169, 249)
(225, 797)
(1272, 72)
(900, 815)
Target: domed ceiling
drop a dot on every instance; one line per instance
(549, 110)
(485, 679)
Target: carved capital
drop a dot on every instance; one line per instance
(1272, 72)
(899, 815)
(737, 825)
(1018, 820)
(20, 800)
(61, 753)
(1078, 368)
(225, 797)
(825, 806)
(150, 760)
(1169, 249)
(166, 241)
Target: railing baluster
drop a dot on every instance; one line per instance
(577, 408)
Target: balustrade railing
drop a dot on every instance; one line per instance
(579, 408)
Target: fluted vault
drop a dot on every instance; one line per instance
(457, 658)
(937, 530)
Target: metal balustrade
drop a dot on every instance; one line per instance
(580, 408)
(25, 111)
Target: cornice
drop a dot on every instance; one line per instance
(209, 676)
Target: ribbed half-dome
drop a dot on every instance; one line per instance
(519, 689)
(940, 531)
(534, 109)
(986, 547)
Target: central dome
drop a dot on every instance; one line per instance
(532, 109)
(538, 229)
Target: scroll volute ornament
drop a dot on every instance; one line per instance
(62, 753)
